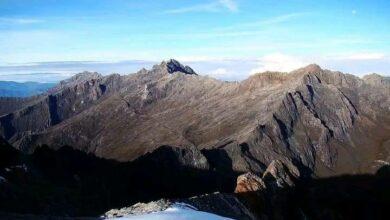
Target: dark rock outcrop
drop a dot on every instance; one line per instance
(280, 194)
(280, 175)
(173, 66)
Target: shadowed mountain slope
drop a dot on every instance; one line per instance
(68, 182)
(65, 183)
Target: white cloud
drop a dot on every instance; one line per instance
(279, 62)
(218, 72)
(229, 4)
(214, 6)
(357, 63)
(211, 7)
(282, 18)
(228, 70)
(361, 56)
(265, 22)
(4, 20)
(200, 58)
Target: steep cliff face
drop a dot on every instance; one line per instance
(37, 114)
(324, 122)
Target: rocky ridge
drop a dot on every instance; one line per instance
(169, 133)
(312, 118)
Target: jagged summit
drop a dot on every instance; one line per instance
(173, 66)
(375, 76)
(75, 80)
(86, 75)
(311, 68)
(80, 77)
(273, 77)
(376, 79)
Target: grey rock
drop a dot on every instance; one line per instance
(139, 208)
(173, 66)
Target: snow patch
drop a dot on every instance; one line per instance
(178, 211)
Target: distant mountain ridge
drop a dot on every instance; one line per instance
(324, 122)
(25, 89)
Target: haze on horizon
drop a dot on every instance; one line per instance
(228, 39)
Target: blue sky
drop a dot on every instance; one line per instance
(228, 39)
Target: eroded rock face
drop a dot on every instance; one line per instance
(325, 122)
(277, 175)
(249, 182)
(280, 175)
(266, 195)
(377, 80)
(77, 79)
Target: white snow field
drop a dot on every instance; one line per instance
(178, 211)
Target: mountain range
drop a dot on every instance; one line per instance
(25, 89)
(315, 123)
(325, 122)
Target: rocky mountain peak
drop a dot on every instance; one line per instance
(276, 78)
(376, 79)
(172, 66)
(311, 68)
(83, 76)
(77, 79)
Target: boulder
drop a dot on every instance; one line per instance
(139, 208)
(249, 182)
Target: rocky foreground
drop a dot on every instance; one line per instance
(66, 183)
(279, 194)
